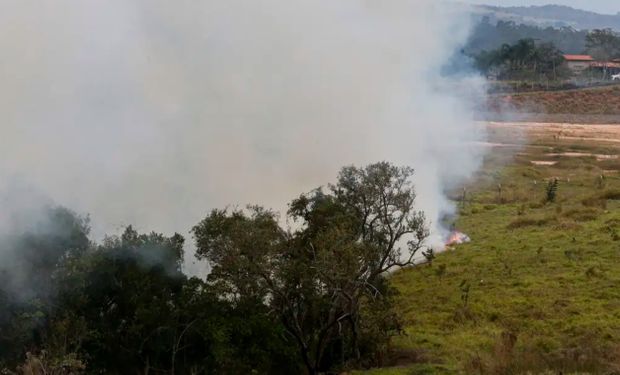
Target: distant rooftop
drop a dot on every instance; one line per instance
(578, 58)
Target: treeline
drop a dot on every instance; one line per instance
(523, 60)
(276, 300)
(528, 59)
(603, 45)
(488, 36)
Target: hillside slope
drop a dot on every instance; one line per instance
(552, 15)
(590, 105)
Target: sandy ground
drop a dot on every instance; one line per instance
(507, 133)
(538, 142)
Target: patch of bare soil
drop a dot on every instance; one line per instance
(545, 144)
(598, 157)
(594, 133)
(588, 105)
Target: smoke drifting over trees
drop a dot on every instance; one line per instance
(147, 115)
(152, 112)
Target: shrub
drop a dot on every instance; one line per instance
(552, 190)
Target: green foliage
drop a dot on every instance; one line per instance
(523, 60)
(488, 36)
(551, 190)
(127, 299)
(42, 364)
(325, 281)
(604, 45)
(29, 260)
(429, 255)
(275, 301)
(464, 287)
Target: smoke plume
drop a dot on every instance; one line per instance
(152, 112)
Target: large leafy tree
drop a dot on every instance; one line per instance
(29, 256)
(127, 299)
(125, 292)
(603, 44)
(277, 299)
(320, 279)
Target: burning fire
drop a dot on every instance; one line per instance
(457, 238)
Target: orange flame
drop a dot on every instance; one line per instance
(457, 238)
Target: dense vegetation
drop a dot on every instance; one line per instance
(488, 36)
(603, 45)
(556, 15)
(530, 66)
(524, 60)
(519, 52)
(276, 300)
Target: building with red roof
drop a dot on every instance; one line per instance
(578, 63)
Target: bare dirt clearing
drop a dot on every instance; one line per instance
(554, 145)
(554, 131)
(543, 162)
(598, 105)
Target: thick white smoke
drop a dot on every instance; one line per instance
(152, 112)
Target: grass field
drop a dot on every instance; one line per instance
(538, 288)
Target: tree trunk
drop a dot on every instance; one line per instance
(147, 366)
(356, 349)
(309, 367)
(307, 361)
(174, 355)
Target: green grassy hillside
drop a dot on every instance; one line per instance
(538, 288)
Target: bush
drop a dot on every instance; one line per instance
(552, 190)
(43, 365)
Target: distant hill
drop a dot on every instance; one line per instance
(489, 34)
(551, 15)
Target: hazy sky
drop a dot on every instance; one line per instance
(601, 6)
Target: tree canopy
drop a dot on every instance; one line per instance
(488, 36)
(310, 298)
(603, 45)
(524, 59)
